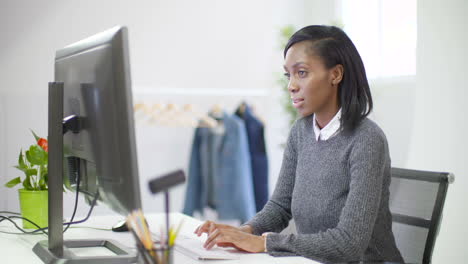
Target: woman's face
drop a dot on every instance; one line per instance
(313, 87)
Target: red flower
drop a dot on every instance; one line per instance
(42, 142)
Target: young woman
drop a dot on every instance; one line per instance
(335, 176)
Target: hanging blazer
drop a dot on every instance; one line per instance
(219, 174)
(258, 155)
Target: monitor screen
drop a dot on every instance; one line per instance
(95, 73)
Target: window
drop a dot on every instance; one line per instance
(384, 32)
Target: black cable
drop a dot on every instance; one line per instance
(79, 221)
(96, 196)
(45, 228)
(13, 233)
(9, 218)
(88, 193)
(93, 203)
(73, 227)
(76, 200)
(78, 176)
(71, 222)
(8, 212)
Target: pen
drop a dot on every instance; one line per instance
(176, 233)
(141, 248)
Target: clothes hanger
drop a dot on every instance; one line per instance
(217, 112)
(204, 120)
(242, 107)
(173, 115)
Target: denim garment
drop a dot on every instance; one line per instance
(258, 156)
(220, 173)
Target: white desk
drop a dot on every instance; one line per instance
(18, 248)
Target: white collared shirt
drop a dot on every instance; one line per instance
(330, 130)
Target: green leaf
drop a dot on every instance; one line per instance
(31, 172)
(22, 166)
(36, 155)
(21, 160)
(42, 184)
(43, 178)
(27, 184)
(28, 158)
(13, 182)
(22, 169)
(35, 136)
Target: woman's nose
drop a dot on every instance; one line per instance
(292, 87)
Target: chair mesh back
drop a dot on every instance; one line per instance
(413, 197)
(410, 241)
(412, 204)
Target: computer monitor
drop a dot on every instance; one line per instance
(91, 135)
(95, 73)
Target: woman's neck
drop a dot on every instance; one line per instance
(324, 117)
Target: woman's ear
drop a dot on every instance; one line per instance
(337, 74)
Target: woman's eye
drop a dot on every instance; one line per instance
(302, 73)
(287, 75)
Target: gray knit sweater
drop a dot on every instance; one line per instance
(337, 192)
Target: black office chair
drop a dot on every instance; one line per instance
(416, 203)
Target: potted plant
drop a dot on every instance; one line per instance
(34, 194)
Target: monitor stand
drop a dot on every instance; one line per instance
(55, 250)
(122, 256)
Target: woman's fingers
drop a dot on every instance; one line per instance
(211, 244)
(212, 238)
(210, 226)
(235, 238)
(203, 228)
(196, 230)
(222, 238)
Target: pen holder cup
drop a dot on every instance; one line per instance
(160, 254)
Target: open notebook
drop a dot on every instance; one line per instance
(193, 247)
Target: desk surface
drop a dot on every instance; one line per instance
(18, 248)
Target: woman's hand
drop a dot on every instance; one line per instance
(235, 238)
(230, 236)
(209, 226)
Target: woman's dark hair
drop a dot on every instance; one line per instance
(334, 47)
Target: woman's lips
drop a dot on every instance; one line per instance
(297, 102)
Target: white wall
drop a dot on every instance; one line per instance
(173, 44)
(189, 45)
(439, 139)
(394, 112)
(171, 41)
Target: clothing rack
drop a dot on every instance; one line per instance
(238, 92)
(173, 115)
(189, 107)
